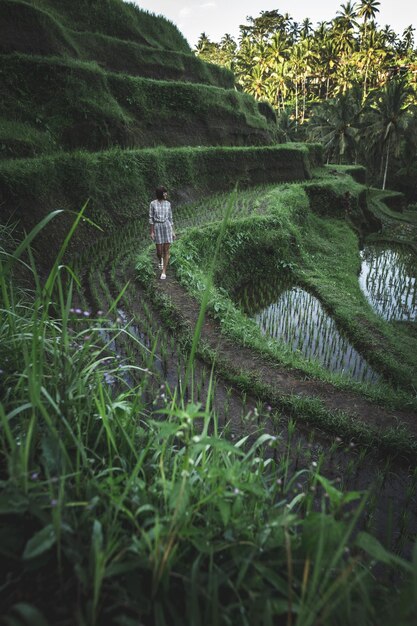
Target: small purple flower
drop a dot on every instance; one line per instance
(54, 503)
(269, 408)
(78, 311)
(34, 476)
(86, 313)
(72, 310)
(99, 313)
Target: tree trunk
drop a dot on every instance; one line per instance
(365, 83)
(296, 103)
(304, 99)
(386, 163)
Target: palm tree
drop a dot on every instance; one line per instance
(277, 55)
(306, 27)
(408, 38)
(227, 51)
(347, 16)
(368, 10)
(335, 124)
(371, 57)
(328, 62)
(255, 83)
(388, 120)
(389, 36)
(202, 44)
(286, 126)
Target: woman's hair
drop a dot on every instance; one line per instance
(159, 192)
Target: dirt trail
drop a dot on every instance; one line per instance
(283, 381)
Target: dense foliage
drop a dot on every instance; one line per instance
(123, 504)
(347, 82)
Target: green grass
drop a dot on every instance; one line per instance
(83, 106)
(40, 32)
(116, 18)
(132, 58)
(118, 182)
(321, 254)
(114, 508)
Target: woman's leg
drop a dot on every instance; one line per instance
(166, 255)
(159, 252)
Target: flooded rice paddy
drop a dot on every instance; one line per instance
(295, 316)
(388, 280)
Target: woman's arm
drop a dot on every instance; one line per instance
(170, 220)
(151, 221)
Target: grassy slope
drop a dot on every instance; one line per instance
(116, 18)
(320, 253)
(78, 105)
(118, 182)
(32, 29)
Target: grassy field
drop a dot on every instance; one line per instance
(123, 500)
(117, 183)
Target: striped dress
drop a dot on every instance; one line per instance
(160, 215)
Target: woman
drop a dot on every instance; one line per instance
(162, 228)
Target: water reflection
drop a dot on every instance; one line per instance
(298, 318)
(388, 281)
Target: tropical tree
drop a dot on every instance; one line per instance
(306, 27)
(287, 128)
(367, 10)
(388, 120)
(335, 124)
(277, 58)
(407, 42)
(228, 48)
(203, 44)
(294, 65)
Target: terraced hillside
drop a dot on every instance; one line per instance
(101, 102)
(86, 87)
(89, 87)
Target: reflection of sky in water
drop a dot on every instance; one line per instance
(298, 318)
(387, 284)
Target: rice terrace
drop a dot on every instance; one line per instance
(235, 444)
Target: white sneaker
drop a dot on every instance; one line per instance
(163, 276)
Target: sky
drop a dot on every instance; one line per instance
(217, 17)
